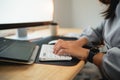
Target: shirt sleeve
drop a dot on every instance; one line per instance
(94, 35)
(111, 63)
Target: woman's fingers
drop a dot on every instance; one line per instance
(63, 52)
(57, 46)
(62, 45)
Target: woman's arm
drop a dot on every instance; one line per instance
(97, 59)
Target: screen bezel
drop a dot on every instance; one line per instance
(23, 25)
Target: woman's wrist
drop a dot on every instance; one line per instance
(84, 54)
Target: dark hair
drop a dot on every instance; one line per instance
(110, 12)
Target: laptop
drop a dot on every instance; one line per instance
(17, 51)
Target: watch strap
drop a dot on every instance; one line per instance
(92, 53)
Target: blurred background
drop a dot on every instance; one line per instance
(78, 13)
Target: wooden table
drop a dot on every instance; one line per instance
(41, 71)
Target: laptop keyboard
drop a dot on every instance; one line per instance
(4, 43)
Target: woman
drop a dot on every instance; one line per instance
(108, 34)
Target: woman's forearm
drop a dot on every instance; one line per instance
(97, 59)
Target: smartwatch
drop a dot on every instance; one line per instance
(92, 52)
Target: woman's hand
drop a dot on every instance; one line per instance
(72, 48)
